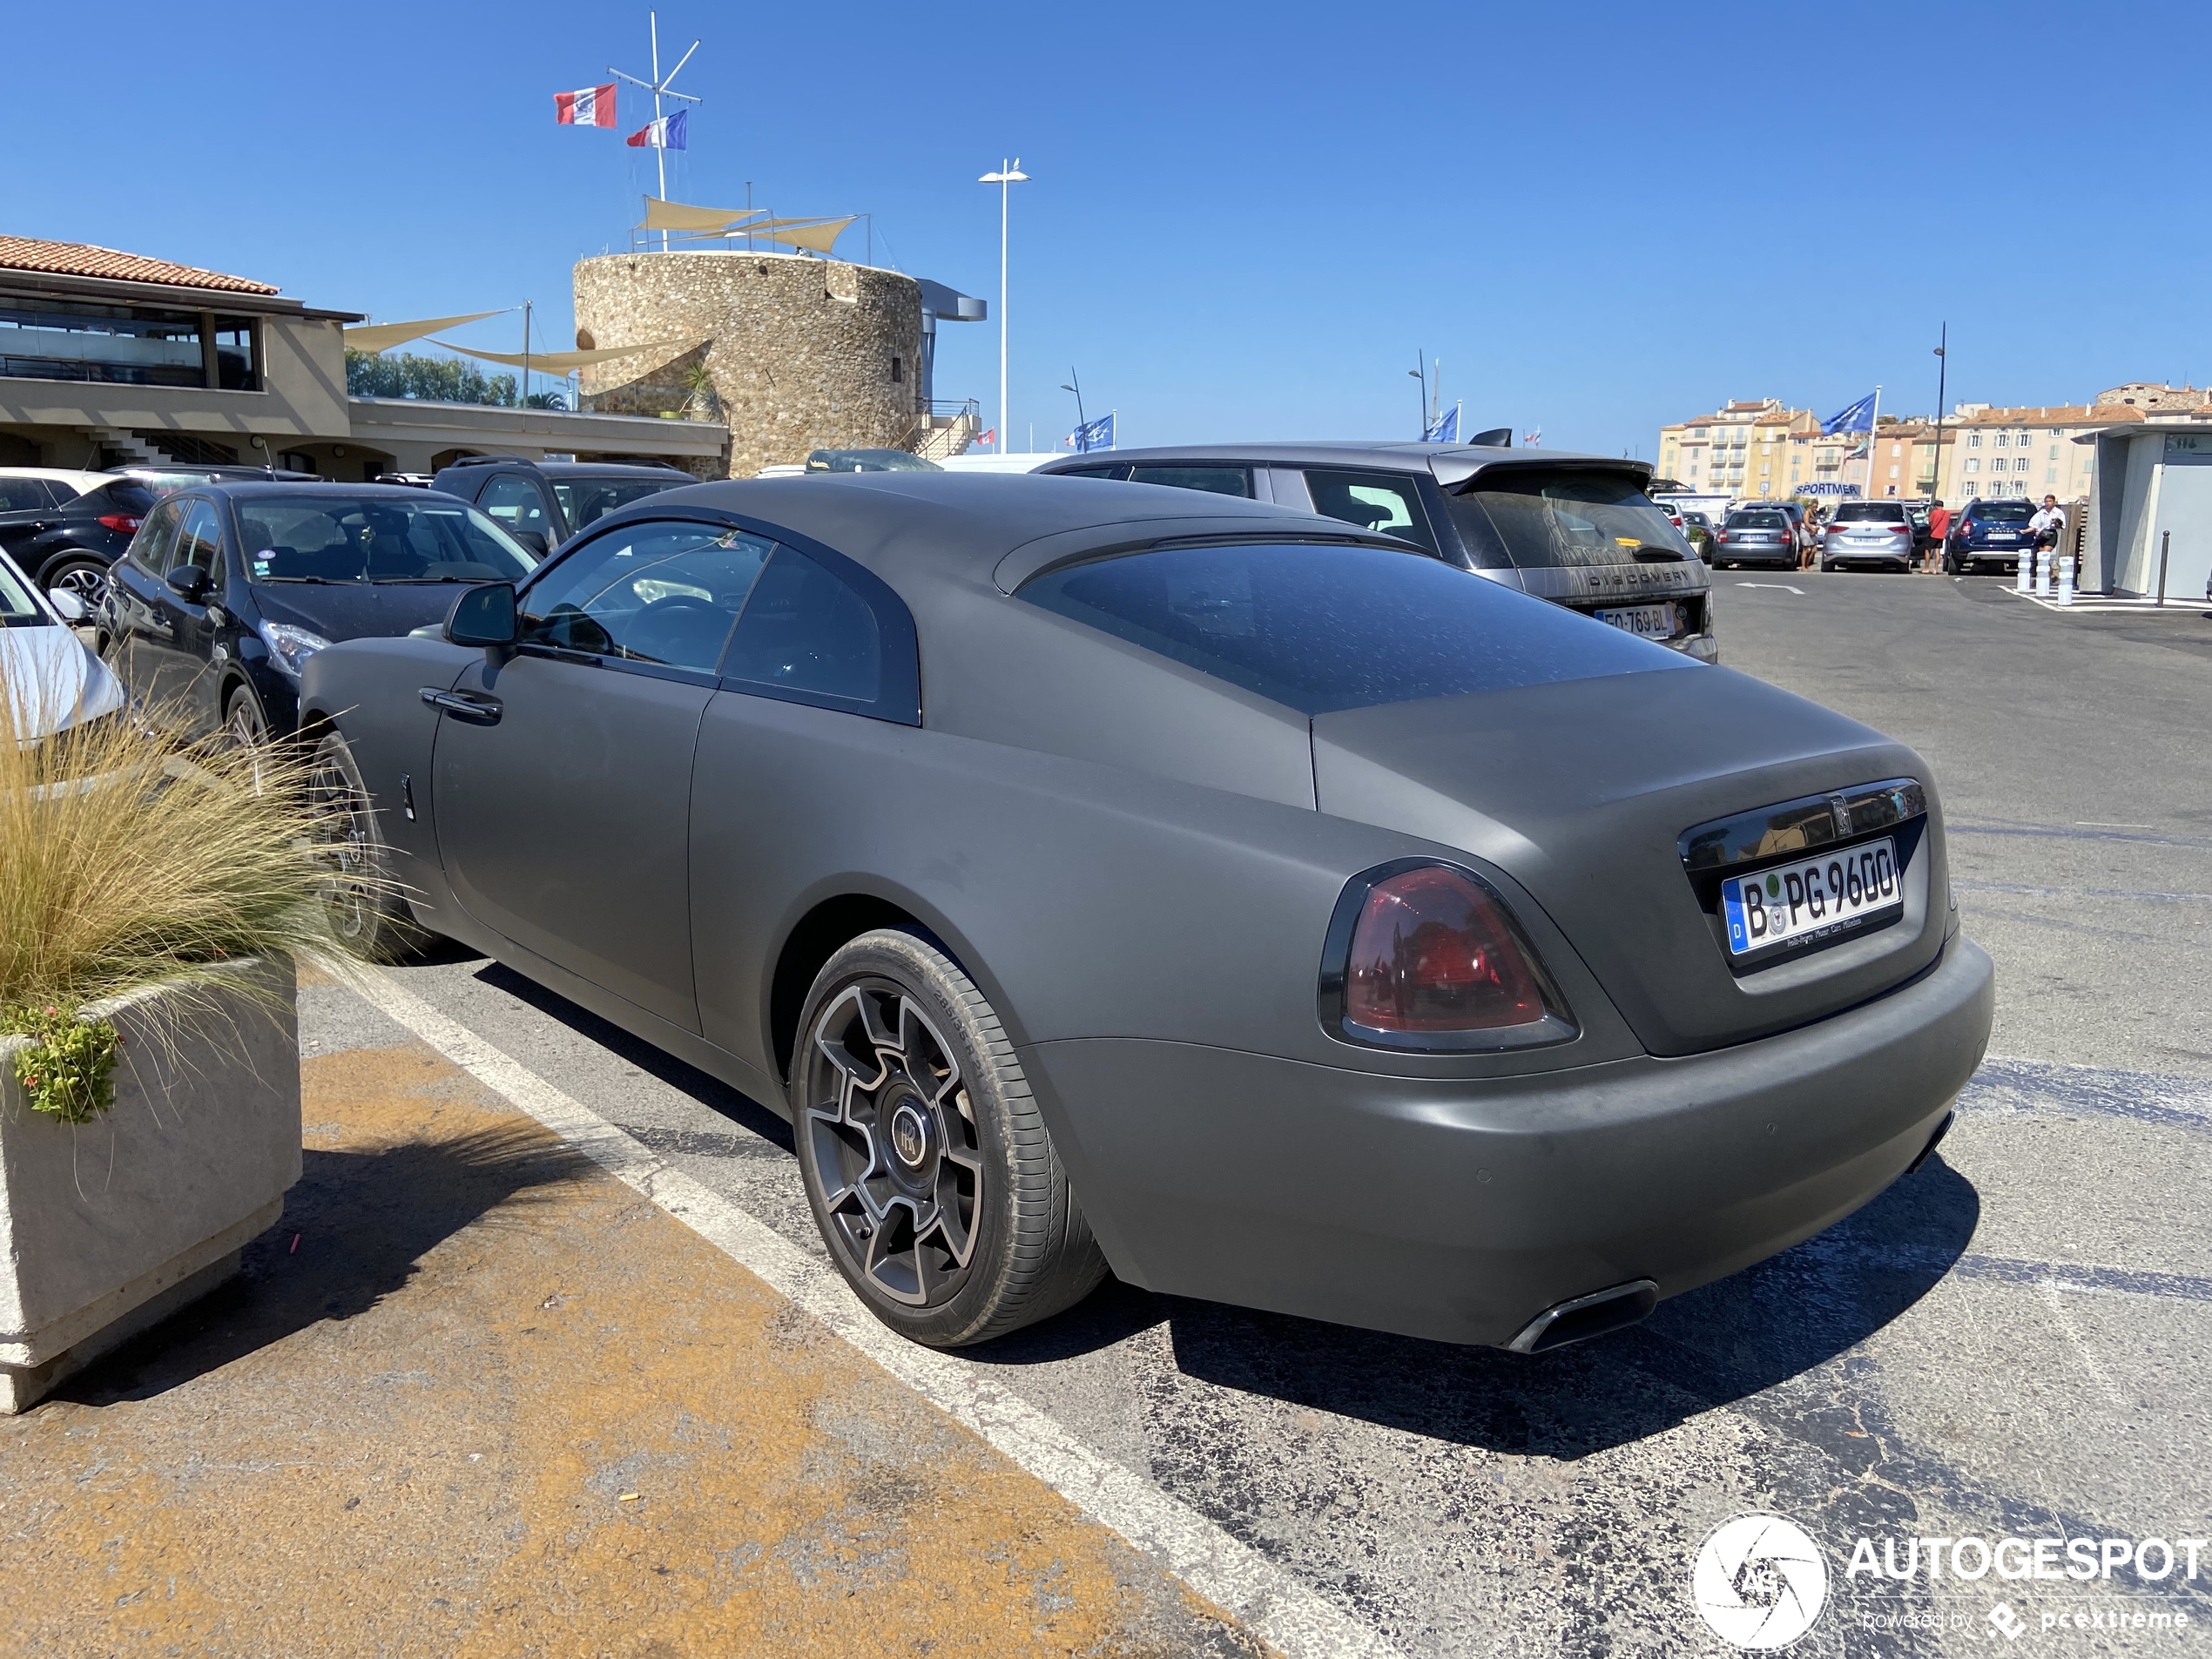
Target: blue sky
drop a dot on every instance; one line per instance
(1244, 220)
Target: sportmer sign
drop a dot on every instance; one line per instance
(1760, 1582)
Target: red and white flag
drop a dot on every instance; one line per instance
(592, 106)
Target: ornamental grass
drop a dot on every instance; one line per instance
(130, 857)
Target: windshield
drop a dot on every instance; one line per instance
(17, 608)
(585, 500)
(868, 460)
(1544, 519)
(2004, 512)
(1870, 511)
(340, 538)
(1319, 628)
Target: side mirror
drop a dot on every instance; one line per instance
(484, 617)
(532, 540)
(188, 582)
(70, 605)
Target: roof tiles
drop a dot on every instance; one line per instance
(83, 260)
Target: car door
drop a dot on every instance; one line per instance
(136, 620)
(179, 642)
(563, 776)
(518, 505)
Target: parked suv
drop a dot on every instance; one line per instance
(1869, 532)
(1988, 533)
(542, 503)
(1576, 529)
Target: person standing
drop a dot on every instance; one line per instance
(2047, 528)
(1939, 533)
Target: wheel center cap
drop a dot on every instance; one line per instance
(909, 1135)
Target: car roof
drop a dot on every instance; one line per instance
(998, 529)
(1452, 463)
(83, 481)
(263, 489)
(609, 469)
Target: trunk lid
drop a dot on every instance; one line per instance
(1583, 792)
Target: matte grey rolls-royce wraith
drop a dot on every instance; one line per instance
(1103, 875)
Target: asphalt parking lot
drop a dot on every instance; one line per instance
(2011, 1342)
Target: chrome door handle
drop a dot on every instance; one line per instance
(476, 709)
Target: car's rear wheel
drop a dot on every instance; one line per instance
(361, 895)
(86, 578)
(926, 1160)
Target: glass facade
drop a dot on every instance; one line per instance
(58, 340)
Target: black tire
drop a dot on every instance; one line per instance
(86, 578)
(361, 896)
(941, 1144)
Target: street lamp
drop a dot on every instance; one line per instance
(1082, 426)
(1009, 174)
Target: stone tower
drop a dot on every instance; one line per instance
(799, 354)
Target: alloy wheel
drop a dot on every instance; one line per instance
(87, 582)
(894, 1137)
(341, 846)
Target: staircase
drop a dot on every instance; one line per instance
(120, 448)
(944, 430)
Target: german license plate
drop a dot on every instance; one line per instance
(1647, 622)
(1811, 897)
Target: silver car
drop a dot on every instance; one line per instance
(1578, 530)
(1868, 532)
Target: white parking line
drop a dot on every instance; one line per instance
(1270, 1601)
(1780, 587)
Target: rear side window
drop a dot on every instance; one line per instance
(805, 630)
(1319, 628)
(1388, 503)
(24, 496)
(149, 547)
(1220, 481)
(586, 501)
(1089, 472)
(1546, 519)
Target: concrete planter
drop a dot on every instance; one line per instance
(109, 1226)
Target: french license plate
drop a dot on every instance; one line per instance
(1647, 622)
(1810, 897)
(2002, 536)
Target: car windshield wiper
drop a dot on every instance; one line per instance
(323, 581)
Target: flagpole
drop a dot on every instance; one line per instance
(660, 151)
(1874, 427)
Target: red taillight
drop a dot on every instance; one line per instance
(1720, 536)
(121, 523)
(1433, 952)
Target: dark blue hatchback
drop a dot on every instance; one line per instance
(227, 590)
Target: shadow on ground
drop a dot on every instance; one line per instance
(364, 1220)
(1722, 1343)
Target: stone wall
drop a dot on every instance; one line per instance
(799, 354)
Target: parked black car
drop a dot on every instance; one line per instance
(228, 589)
(542, 503)
(1988, 532)
(71, 546)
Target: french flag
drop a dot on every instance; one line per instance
(669, 132)
(593, 106)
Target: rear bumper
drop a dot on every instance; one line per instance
(1459, 1210)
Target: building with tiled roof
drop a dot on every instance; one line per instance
(83, 260)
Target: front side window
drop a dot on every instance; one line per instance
(1388, 503)
(662, 593)
(1219, 481)
(149, 548)
(1319, 629)
(1544, 518)
(201, 542)
(310, 534)
(17, 608)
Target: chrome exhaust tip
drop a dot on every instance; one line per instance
(1580, 1318)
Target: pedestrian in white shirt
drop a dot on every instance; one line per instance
(2047, 528)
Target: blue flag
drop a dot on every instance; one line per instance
(1444, 428)
(1097, 434)
(1859, 417)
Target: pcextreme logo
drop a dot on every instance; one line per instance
(1759, 1581)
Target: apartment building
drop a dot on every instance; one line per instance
(2028, 452)
(1742, 448)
